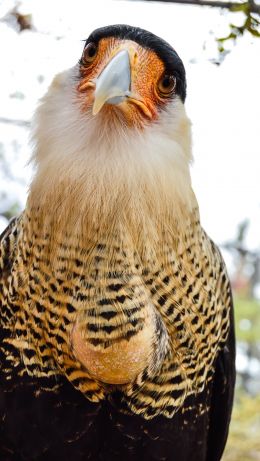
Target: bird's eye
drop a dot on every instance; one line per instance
(167, 84)
(89, 53)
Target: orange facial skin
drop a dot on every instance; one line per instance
(146, 71)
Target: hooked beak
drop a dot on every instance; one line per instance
(113, 84)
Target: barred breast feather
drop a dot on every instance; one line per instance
(185, 284)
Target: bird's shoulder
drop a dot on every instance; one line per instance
(8, 239)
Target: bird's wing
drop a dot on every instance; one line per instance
(8, 243)
(222, 399)
(222, 395)
(37, 413)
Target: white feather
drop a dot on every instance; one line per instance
(101, 169)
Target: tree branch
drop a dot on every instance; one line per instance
(241, 250)
(251, 5)
(10, 121)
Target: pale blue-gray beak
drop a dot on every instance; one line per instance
(114, 82)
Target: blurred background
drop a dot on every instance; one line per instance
(220, 47)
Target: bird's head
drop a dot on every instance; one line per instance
(129, 73)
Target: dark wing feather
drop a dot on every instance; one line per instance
(222, 397)
(8, 229)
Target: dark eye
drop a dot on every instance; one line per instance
(89, 53)
(167, 84)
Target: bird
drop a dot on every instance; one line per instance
(117, 328)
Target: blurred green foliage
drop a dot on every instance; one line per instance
(247, 318)
(251, 24)
(244, 435)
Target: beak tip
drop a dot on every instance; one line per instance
(94, 111)
(96, 107)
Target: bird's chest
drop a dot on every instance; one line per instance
(109, 294)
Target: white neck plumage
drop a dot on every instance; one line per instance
(95, 176)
